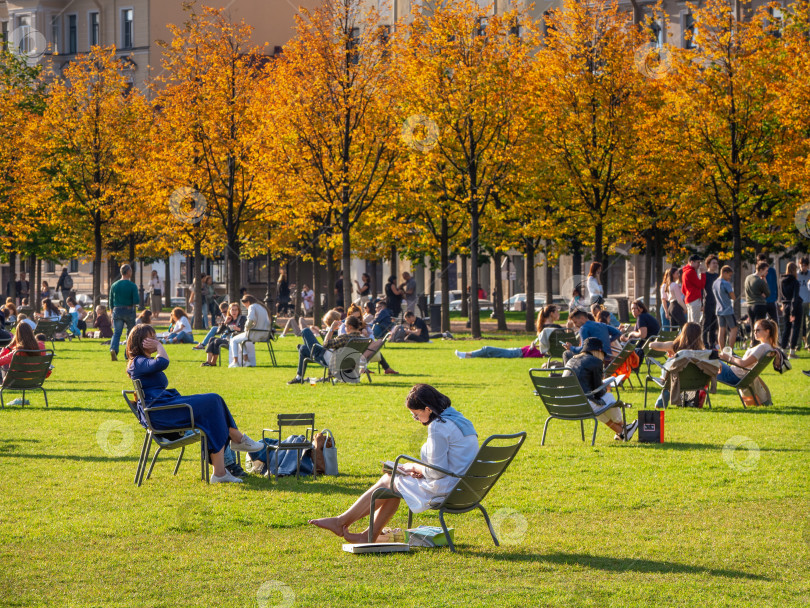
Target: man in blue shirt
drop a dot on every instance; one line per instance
(773, 285)
(591, 329)
(382, 320)
(723, 292)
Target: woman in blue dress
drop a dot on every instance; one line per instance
(211, 415)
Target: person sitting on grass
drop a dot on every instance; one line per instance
(77, 312)
(690, 338)
(766, 333)
(591, 329)
(587, 367)
(145, 318)
(452, 444)
(103, 323)
(322, 353)
(233, 324)
(180, 331)
(215, 329)
(417, 330)
(546, 323)
(211, 414)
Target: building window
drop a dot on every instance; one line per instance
(126, 28)
(94, 29)
(73, 34)
(55, 33)
(218, 271)
(50, 266)
(254, 268)
(24, 35)
(690, 31)
(656, 34)
(74, 266)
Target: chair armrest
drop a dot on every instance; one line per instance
(160, 408)
(651, 360)
(417, 461)
(607, 383)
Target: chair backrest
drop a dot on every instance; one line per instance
(562, 395)
(48, 327)
(668, 335)
(373, 348)
(28, 369)
(293, 420)
(557, 340)
(63, 324)
(692, 378)
(347, 357)
(755, 371)
(618, 360)
(257, 336)
(486, 468)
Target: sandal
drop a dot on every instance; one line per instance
(206, 364)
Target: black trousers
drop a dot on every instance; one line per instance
(793, 329)
(755, 313)
(709, 329)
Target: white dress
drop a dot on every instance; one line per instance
(447, 448)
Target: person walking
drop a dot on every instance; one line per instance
(123, 300)
(64, 286)
(756, 294)
(709, 302)
(803, 277)
(791, 309)
(408, 287)
(693, 283)
(156, 294)
(773, 285)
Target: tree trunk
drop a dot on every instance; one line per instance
(444, 261)
(167, 282)
(549, 275)
(198, 291)
(97, 259)
(530, 287)
(431, 291)
(373, 285)
(599, 254)
(465, 300)
(497, 292)
(269, 299)
(316, 284)
(131, 244)
(647, 286)
(347, 261)
(659, 273)
(298, 283)
(12, 263)
(737, 248)
(474, 308)
(330, 281)
(38, 281)
(394, 262)
(234, 263)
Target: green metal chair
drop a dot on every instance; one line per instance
(628, 349)
(345, 363)
(48, 328)
(564, 399)
(261, 336)
(165, 439)
(26, 372)
(691, 379)
(472, 487)
(556, 343)
(291, 420)
(372, 351)
(752, 375)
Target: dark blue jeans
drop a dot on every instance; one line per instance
(310, 349)
(121, 315)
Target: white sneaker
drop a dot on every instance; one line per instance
(461, 355)
(247, 445)
(630, 430)
(226, 478)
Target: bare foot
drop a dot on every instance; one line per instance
(328, 523)
(355, 538)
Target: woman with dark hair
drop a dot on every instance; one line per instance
(284, 295)
(50, 310)
(393, 297)
(691, 339)
(546, 322)
(452, 444)
(364, 290)
(23, 340)
(646, 324)
(211, 414)
(676, 304)
(576, 300)
(233, 323)
(594, 285)
(791, 309)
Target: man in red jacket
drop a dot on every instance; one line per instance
(693, 284)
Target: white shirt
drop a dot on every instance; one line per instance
(594, 288)
(758, 351)
(257, 317)
(675, 294)
(182, 325)
(156, 283)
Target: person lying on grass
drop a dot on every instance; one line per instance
(587, 367)
(546, 323)
(452, 444)
(211, 414)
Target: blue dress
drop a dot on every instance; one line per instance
(211, 415)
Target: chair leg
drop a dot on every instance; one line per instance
(595, 426)
(582, 428)
(145, 459)
(2, 404)
(146, 441)
(154, 460)
(297, 464)
(45, 394)
(545, 428)
(179, 458)
(646, 388)
(447, 533)
(23, 399)
(410, 518)
(204, 448)
(489, 524)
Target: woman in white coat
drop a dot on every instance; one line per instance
(452, 444)
(257, 318)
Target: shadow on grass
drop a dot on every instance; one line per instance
(768, 409)
(614, 564)
(305, 485)
(683, 446)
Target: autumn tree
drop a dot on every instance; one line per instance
(330, 102)
(92, 129)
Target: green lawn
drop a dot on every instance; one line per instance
(678, 524)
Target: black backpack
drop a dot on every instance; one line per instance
(67, 282)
